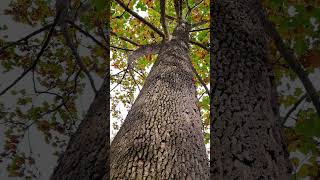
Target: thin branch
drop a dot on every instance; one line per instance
(42, 92)
(199, 23)
(26, 37)
(124, 74)
(94, 39)
(294, 65)
(88, 35)
(44, 46)
(162, 18)
(134, 14)
(101, 32)
(196, 30)
(134, 80)
(125, 39)
(138, 73)
(190, 9)
(199, 44)
(120, 48)
(78, 59)
(200, 80)
(294, 107)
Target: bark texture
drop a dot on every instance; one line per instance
(87, 154)
(246, 137)
(161, 137)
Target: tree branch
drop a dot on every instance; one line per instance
(142, 51)
(78, 59)
(199, 44)
(26, 37)
(134, 14)
(178, 9)
(87, 34)
(134, 80)
(196, 30)
(44, 46)
(190, 9)
(199, 23)
(125, 39)
(294, 107)
(294, 64)
(163, 19)
(200, 80)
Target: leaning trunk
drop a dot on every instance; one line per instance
(161, 137)
(247, 141)
(87, 154)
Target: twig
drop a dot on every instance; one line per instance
(294, 107)
(199, 44)
(294, 65)
(190, 9)
(78, 59)
(88, 35)
(200, 80)
(26, 37)
(199, 30)
(125, 39)
(199, 23)
(134, 14)
(125, 72)
(134, 80)
(44, 46)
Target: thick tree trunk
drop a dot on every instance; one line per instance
(87, 154)
(161, 137)
(247, 141)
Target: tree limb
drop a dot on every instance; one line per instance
(294, 108)
(190, 9)
(134, 14)
(26, 37)
(294, 64)
(163, 19)
(88, 35)
(178, 9)
(124, 38)
(78, 59)
(196, 30)
(44, 46)
(200, 80)
(199, 44)
(199, 23)
(142, 51)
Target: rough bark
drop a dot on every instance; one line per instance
(87, 154)
(246, 139)
(161, 137)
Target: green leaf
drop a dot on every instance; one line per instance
(310, 127)
(99, 4)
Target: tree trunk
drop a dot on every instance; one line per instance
(246, 139)
(161, 137)
(87, 154)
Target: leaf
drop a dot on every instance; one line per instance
(309, 127)
(99, 4)
(311, 59)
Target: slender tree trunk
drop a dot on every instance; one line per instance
(87, 154)
(161, 137)
(247, 141)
